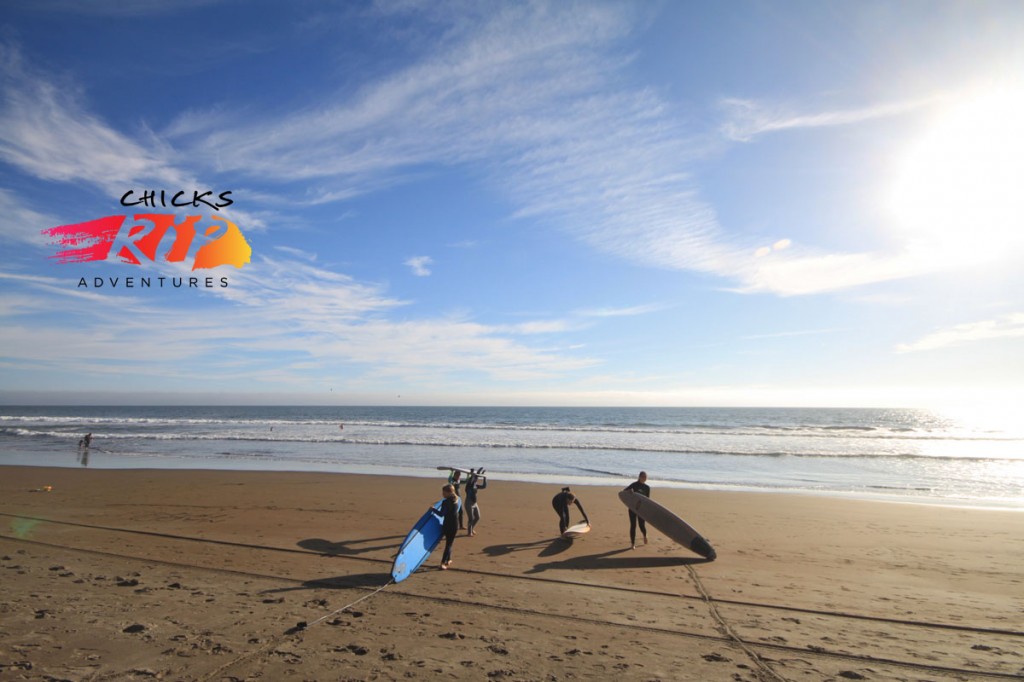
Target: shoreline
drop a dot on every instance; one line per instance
(590, 482)
(192, 575)
(899, 456)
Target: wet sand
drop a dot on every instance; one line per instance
(202, 575)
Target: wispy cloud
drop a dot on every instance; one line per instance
(1004, 327)
(420, 265)
(46, 133)
(527, 95)
(20, 223)
(290, 323)
(784, 335)
(808, 271)
(622, 312)
(746, 119)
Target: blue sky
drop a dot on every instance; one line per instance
(677, 203)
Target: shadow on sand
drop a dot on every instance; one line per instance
(610, 560)
(547, 547)
(341, 582)
(348, 547)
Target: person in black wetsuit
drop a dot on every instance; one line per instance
(455, 479)
(561, 503)
(640, 487)
(475, 482)
(449, 522)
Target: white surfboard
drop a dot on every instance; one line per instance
(465, 472)
(581, 528)
(668, 523)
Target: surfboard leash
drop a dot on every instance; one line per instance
(299, 627)
(302, 625)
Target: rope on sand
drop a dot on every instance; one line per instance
(303, 626)
(299, 627)
(761, 664)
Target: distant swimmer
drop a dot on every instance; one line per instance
(341, 426)
(561, 503)
(640, 487)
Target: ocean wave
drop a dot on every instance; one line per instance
(283, 440)
(836, 431)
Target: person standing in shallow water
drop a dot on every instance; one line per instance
(640, 487)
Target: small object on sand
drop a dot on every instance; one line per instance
(299, 627)
(44, 489)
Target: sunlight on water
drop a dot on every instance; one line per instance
(1001, 420)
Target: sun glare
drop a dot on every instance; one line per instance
(958, 195)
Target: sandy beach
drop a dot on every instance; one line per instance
(208, 575)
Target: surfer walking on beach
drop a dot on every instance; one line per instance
(561, 503)
(475, 482)
(449, 522)
(640, 487)
(455, 480)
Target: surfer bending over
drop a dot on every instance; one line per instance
(449, 522)
(561, 503)
(640, 487)
(455, 480)
(473, 483)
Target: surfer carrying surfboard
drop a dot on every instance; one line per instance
(455, 480)
(640, 487)
(561, 503)
(475, 482)
(449, 514)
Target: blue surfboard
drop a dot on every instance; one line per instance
(418, 544)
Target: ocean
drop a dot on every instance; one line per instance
(890, 454)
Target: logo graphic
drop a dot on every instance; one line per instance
(155, 237)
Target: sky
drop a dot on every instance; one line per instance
(566, 203)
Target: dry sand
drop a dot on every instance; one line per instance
(200, 575)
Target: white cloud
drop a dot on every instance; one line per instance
(20, 223)
(622, 312)
(747, 119)
(540, 327)
(528, 95)
(280, 322)
(289, 320)
(46, 133)
(1008, 326)
(420, 265)
(810, 272)
(782, 335)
